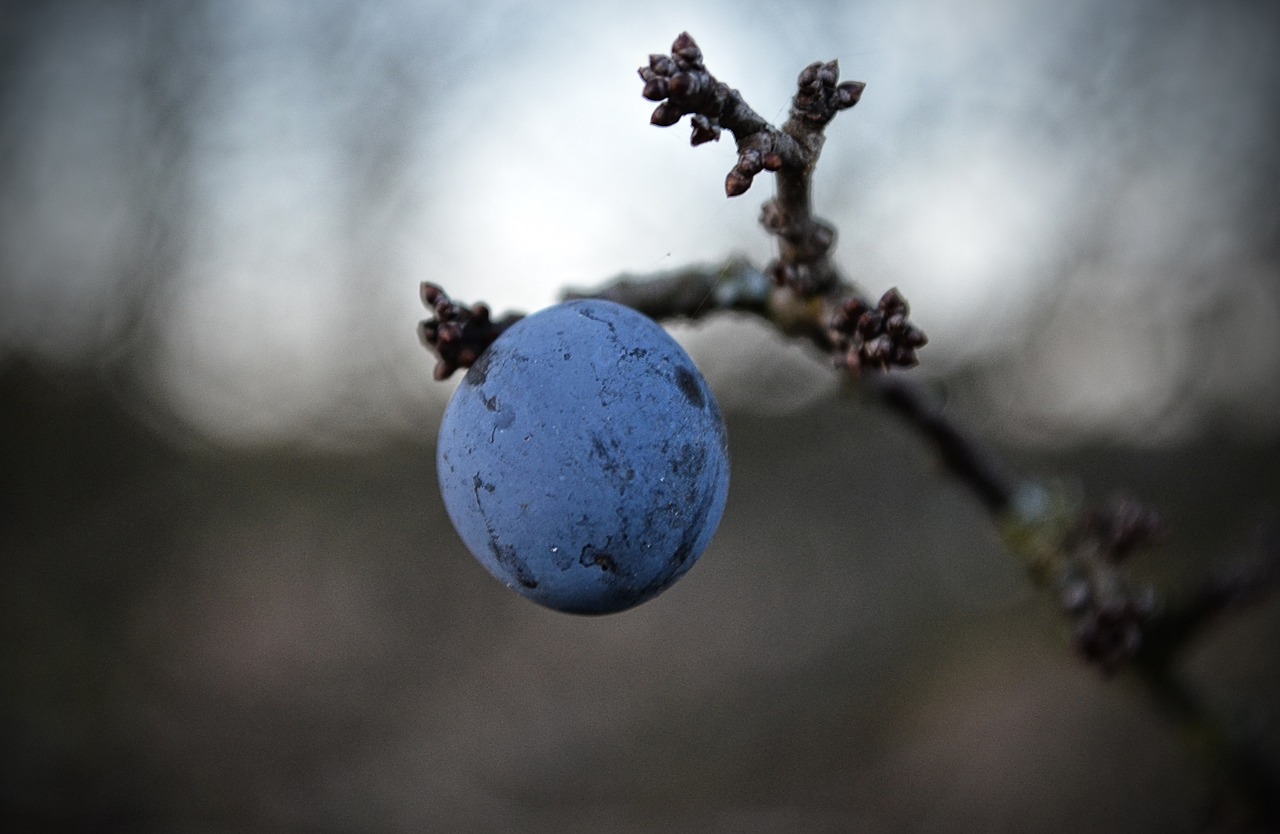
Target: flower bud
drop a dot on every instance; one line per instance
(736, 183)
(665, 115)
(655, 89)
(849, 93)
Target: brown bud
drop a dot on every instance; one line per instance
(914, 338)
(426, 334)
(772, 162)
(905, 357)
(809, 75)
(893, 302)
(704, 130)
(665, 115)
(842, 319)
(662, 64)
(448, 332)
(429, 293)
(869, 323)
(736, 183)
(823, 236)
(686, 49)
(877, 350)
(655, 89)
(682, 85)
(849, 93)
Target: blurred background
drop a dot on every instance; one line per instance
(230, 598)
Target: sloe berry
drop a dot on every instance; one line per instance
(583, 459)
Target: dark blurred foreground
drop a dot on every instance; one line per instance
(203, 639)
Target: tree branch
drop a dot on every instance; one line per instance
(1116, 622)
(683, 86)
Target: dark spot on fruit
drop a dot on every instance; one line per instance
(505, 555)
(479, 370)
(692, 529)
(492, 403)
(591, 557)
(608, 455)
(690, 462)
(586, 313)
(567, 356)
(477, 484)
(687, 381)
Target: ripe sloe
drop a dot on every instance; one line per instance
(583, 459)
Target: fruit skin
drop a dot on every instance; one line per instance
(583, 459)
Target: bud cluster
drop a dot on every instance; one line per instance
(681, 84)
(751, 161)
(820, 97)
(875, 337)
(1108, 625)
(1109, 613)
(457, 334)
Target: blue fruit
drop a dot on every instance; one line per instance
(583, 459)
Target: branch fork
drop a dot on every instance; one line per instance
(682, 85)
